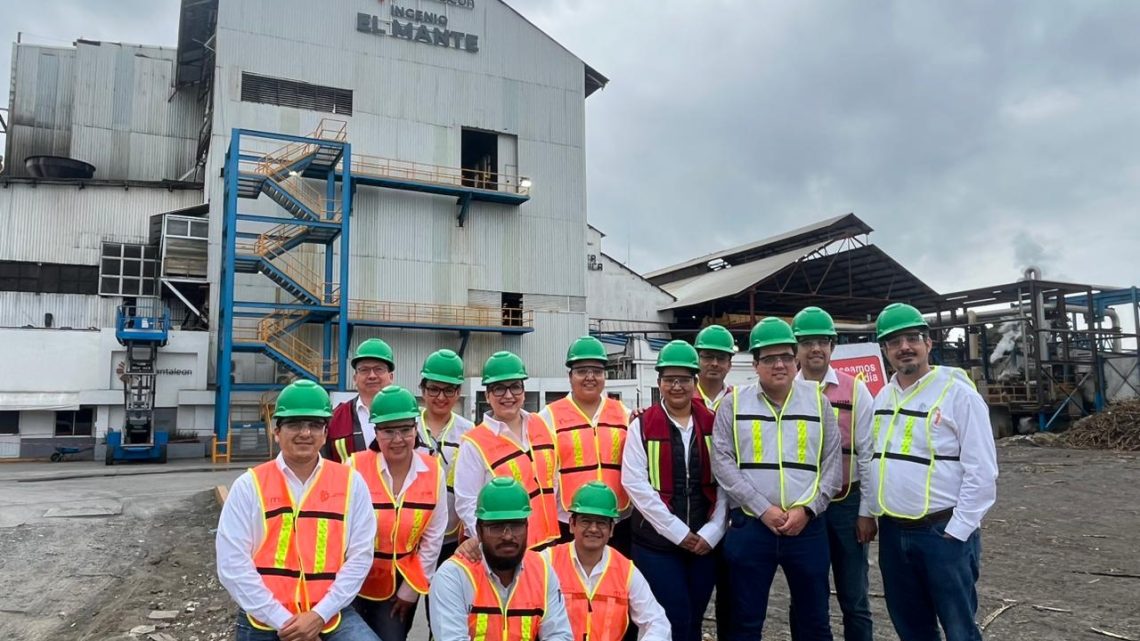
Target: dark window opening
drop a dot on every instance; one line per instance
(48, 278)
(479, 157)
(512, 309)
(80, 422)
(9, 422)
(290, 93)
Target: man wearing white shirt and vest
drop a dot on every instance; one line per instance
(295, 536)
(409, 497)
(850, 526)
(509, 593)
(509, 442)
(776, 454)
(602, 588)
(350, 429)
(589, 434)
(679, 512)
(933, 478)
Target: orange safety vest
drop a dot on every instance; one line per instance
(534, 469)
(842, 399)
(586, 453)
(601, 614)
(304, 542)
(399, 526)
(519, 619)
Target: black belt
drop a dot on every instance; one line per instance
(934, 518)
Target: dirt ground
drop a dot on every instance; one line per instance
(1062, 517)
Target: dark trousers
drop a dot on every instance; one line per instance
(754, 553)
(848, 570)
(929, 580)
(682, 582)
(445, 553)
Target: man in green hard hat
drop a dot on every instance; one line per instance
(602, 588)
(933, 478)
(351, 430)
(715, 347)
(322, 508)
(510, 593)
(776, 454)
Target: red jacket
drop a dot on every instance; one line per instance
(344, 436)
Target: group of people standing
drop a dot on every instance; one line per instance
(588, 522)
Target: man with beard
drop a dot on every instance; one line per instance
(603, 590)
(850, 526)
(512, 593)
(933, 478)
(776, 455)
(351, 429)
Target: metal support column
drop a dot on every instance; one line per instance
(226, 295)
(342, 318)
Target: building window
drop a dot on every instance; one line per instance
(512, 305)
(290, 93)
(78, 422)
(9, 422)
(48, 278)
(479, 156)
(128, 270)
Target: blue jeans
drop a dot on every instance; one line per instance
(378, 616)
(754, 553)
(682, 582)
(848, 569)
(929, 580)
(351, 628)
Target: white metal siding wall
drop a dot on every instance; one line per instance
(40, 102)
(20, 309)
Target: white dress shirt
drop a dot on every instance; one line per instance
(860, 435)
(713, 403)
(367, 429)
(635, 479)
(452, 595)
(432, 539)
(548, 416)
(240, 531)
(644, 610)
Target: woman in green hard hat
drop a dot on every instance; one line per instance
(350, 430)
(409, 496)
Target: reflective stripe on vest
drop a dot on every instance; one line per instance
(400, 525)
(913, 447)
(489, 619)
(843, 398)
(588, 452)
(600, 614)
(796, 459)
(304, 541)
(445, 450)
(534, 469)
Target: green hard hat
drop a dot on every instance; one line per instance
(813, 321)
(377, 349)
(503, 499)
(897, 317)
(770, 331)
(393, 403)
(503, 366)
(443, 366)
(586, 348)
(595, 498)
(678, 354)
(303, 398)
(716, 338)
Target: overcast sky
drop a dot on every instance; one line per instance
(975, 137)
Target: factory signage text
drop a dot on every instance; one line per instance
(425, 27)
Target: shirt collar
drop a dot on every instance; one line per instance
(498, 427)
(830, 378)
(495, 577)
(578, 564)
(417, 467)
(280, 460)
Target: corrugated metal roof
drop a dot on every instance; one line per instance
(731, 281)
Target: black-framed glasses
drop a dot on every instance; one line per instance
(501, 528)
(499, 391)
(675, 381)
(435, 392)
(303, 425)
(368, 370)
(772, 360)
(391, 433)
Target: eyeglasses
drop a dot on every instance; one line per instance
(499, 391)
(297, 427)
(378, 370)
(913, 338)
(675, 381)
(390, 433)
(588, 522)
(813, 343)
(434, 392)
(773, 359)
(588, 372)
(501, 528)
(715, 357)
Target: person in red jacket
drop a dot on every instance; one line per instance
(351, 429)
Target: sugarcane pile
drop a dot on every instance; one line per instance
(1115, 428)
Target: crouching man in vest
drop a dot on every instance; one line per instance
(409, 496)
(294, 539)
(776, 454)
(679, 513)
(511, 593)
(603, 590)
(934, 476)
